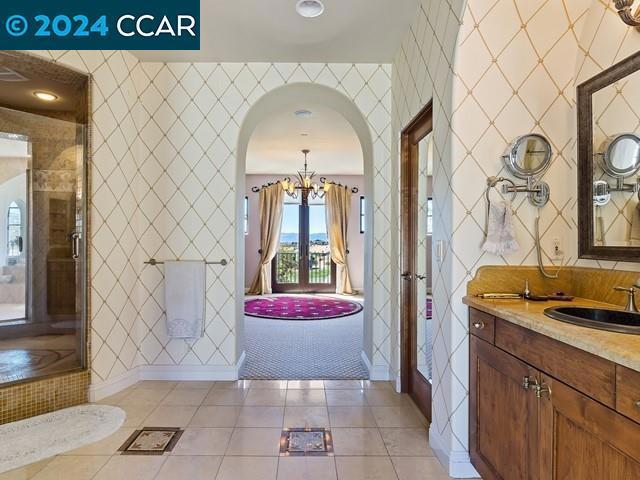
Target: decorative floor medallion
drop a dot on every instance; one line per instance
(310, 442)
(151, 441)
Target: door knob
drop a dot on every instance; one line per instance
(407, 276)
(421, 277)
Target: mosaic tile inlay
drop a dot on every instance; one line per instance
(306, 442)
(151, 441)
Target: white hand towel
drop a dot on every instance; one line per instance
(501, 239)
(184, 292)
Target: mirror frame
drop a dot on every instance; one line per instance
(585, 91)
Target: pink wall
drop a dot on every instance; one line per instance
(355, 238)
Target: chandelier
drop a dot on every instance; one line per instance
(304, 185)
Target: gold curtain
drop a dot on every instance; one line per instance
(338, 204)
(271, 208)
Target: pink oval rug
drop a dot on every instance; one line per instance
(300, 307)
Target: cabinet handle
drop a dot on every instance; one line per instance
(526, 382)
(479, 325)
(541, 389)
(637, 403)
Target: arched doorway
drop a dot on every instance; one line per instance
(289, 97)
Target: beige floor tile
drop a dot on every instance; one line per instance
(203, 441)
(260, 417)
(307, 468)
(227, 396)
(106, 446)
(238, 384)
(116, 398)
(305, 384)
(365, 468)
(345, 398)
(343, 384)
(72, 468)
(360, 416)
(419, 468)
(401, 417)
(308, 417)
(306, 397)
(248, 468)
(255, 442)
(158, 384)
(406, 442)
(269, 384)
(190, 396)
(138, 467)
(136, 414)
(266, 398)
(145, 396)
(358, 441)
(378, 385)
(170, 416)
(190, 468)
(26, 472)
(215, 416)
(385, 398)
(195, 384)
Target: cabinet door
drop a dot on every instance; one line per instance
(583, 439)
(503, 423)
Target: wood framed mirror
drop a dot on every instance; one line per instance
(609, 164)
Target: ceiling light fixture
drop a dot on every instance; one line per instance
(303, 113)
(47, 97)
(309, 8)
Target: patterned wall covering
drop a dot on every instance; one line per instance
(517, 63)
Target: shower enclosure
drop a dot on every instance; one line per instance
(43, 155)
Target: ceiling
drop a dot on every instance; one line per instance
(349, 31)
(276, 143)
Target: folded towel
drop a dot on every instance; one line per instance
(634, 234)
(184, 292)
(501, 238)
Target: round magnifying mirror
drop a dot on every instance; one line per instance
(528, 156)
(621, 155)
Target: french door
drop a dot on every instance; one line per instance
(416, 247)
(303, 262)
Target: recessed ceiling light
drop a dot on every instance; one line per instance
(47, 97)
(303, 113)
(309, 8)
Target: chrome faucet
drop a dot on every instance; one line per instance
(631, 300)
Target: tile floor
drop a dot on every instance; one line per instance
(232, 432)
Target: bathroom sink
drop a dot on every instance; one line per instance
(600, 318)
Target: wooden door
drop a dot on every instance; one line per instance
(583, 439)
(503, 415)
(416, 307)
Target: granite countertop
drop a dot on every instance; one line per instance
(621, 348)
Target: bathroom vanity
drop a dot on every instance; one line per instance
(551, 400)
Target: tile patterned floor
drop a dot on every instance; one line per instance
(232, 432)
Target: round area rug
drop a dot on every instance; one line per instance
(300, 307)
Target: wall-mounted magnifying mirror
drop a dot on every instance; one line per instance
(621, 155)
(528, 157)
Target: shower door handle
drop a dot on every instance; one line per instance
(75, 245)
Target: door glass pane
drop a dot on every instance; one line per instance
(423, 258)
(288, 256)
(41, 257)
(319, 256)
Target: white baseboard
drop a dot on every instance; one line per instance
(114, 385)
(366, 361)
(376, 372)
(98, 391)
(457, 463)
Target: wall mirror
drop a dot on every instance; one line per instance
(609, 163)
(43, 158)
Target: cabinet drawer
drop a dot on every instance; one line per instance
(482, 324)
(583, 371)
(628, 392)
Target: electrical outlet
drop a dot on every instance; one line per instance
(556, 251)
(439, 251)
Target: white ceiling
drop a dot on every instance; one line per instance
(275, 145)
(349, 31)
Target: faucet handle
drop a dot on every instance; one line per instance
(629, 290)
(631, 302)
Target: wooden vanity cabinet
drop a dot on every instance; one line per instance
(526, 424)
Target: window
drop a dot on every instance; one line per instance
(361, 214)
(14, 230)
(430, 216)
(246, 215)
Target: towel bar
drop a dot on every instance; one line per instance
(153, 261)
